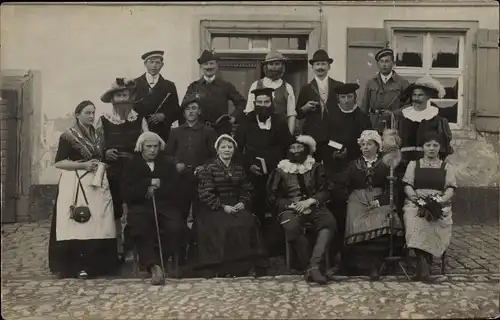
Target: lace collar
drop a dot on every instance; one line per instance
(114, 117)
(290, 167)
(418, 116)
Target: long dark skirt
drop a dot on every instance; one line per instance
(98, 257)
(229, 243)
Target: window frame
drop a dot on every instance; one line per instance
(467, 86)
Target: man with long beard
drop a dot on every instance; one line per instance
(263, 139)
(283, 96)
(299, 189)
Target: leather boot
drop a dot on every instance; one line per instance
(425, 268)
(320, 247)
(302, 250)
(157, 276)
(418, 270)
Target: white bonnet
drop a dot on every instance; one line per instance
(224, 137)
(370, 135)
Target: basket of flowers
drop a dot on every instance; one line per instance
(430, 207)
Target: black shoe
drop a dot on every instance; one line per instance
(157, 276)
(314, 275)
(260, 272)
(374, 274)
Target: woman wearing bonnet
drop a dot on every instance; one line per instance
(82, 245)
(229, 242)
(368, 221)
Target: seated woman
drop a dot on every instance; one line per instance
(82, 245)
(229, 242)
(149, 188)
(368, 212)
(299, 190)
(428, 235)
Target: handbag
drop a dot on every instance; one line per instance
(80, 214)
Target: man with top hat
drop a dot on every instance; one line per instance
(159, 102)
(384, 92)
(299, 190)
(316, 104)
(347, 124)
(215, 95)
(119, 130)
(190, 146)
(283, 96)
(263, 139)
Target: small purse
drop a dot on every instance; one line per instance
(80, 214)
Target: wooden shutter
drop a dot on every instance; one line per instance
(362, 45)
(487, 113)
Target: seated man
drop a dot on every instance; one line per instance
(299, 190)
(149, 190)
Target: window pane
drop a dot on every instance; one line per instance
(298, 43)
(451, 86)
(448, 107)
(220, 43)
(409, 50)
(445, 51)
(259, 42)
(238, 43)
(279, 43)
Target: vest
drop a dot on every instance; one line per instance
(280, 99)
(430, 178)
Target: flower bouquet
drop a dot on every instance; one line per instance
(430, 208)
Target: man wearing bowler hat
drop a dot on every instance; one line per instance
(384, 92)
(316, 102)
(215, 95)
(159, 102)
(283, 96)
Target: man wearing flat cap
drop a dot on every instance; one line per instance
(384, 92)
(283, 96)
(215, 95)
(263, 139)
(159, 102)
(316, 102)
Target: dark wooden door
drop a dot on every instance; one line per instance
(241, 73)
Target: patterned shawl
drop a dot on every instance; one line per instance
(86, 143)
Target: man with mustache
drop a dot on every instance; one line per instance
(159, 102)
(384, 92)
(119, 130)
(316, 104)
(215, 95)
(262, 135)
(284, 98)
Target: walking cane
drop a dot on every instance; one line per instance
(158, 234)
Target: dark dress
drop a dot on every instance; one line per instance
(67, 258)
(151, 99)
(136, 179)
(227, 243)
(367, 230)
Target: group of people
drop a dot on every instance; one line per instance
(249, 181)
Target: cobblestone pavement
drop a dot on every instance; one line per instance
(284, 297)
(475, 249)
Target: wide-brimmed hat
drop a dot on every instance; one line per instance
(320, 55)
(274, 55)
(207, 56)
(427, 83)
(191, 97)
(307, 141)
(119, 84)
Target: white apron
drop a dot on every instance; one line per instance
(101, 224)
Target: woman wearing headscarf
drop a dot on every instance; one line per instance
(367, 228)
(428, 181)
(150, 187)
(82, 236)
(228, 239)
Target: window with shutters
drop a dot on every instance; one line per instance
(440, 55)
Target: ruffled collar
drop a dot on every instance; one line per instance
(418, 116)
(114, 117)
(290, 167)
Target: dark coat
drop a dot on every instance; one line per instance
(136, 178)
(151, 100)
(313, 125)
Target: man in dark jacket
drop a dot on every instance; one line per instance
(315, 103)
(149, 188)
(215, 95)
(159, 102)
(384, 92)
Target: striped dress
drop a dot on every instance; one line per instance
(227, 243)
